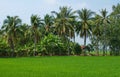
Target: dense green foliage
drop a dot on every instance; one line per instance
(52, 34)
(67, 66)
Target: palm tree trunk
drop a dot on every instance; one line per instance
(85, 44)
(104, 40)
(85, 39)
(12, 46)
(35, 41)
(97, 51)
(74, 38)
(97, 48)
(68, 47)
(103, 50)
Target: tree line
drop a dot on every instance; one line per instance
(52, 35)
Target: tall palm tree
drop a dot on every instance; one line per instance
(63, 22)
(104, 21)
(48, 22)
(10, 28)
(36, 22)
(116, 9)
(84, 26)
(96, 33)
(25, 33)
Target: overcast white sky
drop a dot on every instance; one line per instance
(25, 8)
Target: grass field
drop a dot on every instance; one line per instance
(67, 66)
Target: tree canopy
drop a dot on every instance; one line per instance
(52, 34)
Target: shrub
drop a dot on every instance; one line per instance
(5, 50)
(77, 49)
(52, 45)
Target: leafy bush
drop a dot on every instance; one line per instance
(52, 45)
(77, 49)
(4, 50)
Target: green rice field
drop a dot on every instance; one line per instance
(57, 66)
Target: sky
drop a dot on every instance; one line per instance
(25, 8)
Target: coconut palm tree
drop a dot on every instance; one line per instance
(48, 22)
(63, 22)
(96, 33)
(11, 30)
(25, 33)
(84, 26)
(36, 22)
(116, 9)
(104, 21)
